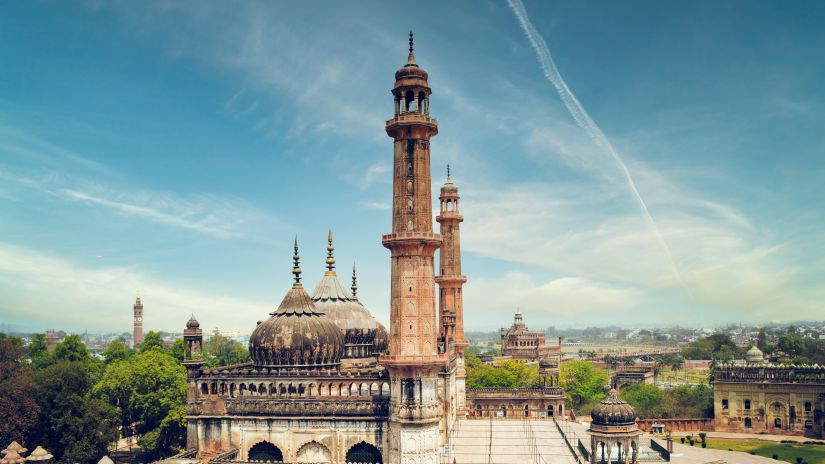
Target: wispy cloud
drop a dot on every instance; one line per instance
(206, 214)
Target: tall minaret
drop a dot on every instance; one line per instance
(450, 280)
(137, 331)
(413, 361)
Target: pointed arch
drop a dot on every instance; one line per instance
(364, 452)
(313, 452)
(266, 452)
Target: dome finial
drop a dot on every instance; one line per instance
(354, 287)
(330, 258)
(296, 268)
(411, 57)
(448, 172)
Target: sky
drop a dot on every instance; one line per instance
(632, 163)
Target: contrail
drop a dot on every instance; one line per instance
(584, 121)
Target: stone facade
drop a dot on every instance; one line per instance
(758, 397)
(516, 403)
(518, 342)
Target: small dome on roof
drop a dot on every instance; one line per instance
(192, 323)
(754, 355)
(297, 334)
(613, 411)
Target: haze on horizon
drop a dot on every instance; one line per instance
(173, 150)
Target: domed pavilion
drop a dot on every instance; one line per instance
(613, 425)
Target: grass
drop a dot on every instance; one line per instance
(788, 452)
(697, 376)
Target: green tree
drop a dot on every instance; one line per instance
(116, 351)
(38, 352)
(150, 390)
(612, 362)
(645, 398)
(72, 349)
(151, 341)
(178, 350)
(583, 382)
(18, 409)
(73, 426)
(223, 351)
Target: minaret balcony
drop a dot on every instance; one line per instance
(412, 117)
(411, 238)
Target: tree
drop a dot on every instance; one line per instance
(73, 426)
(628, 361)
(39, 352)
(116, 351)
(612, 362)
(647, 399)
(223, 351)
(151, 341)
(18, 409)
(178, 350)
(72, 349)
(583, 382)
(150, 390)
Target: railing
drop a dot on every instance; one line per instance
(565, 433)
(518, 392)
(228, 456)
(655, 446)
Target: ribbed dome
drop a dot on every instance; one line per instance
(192, 323)
(297, 334)
(613, 411)
(411, 71)
(754, 355)
(355, 322)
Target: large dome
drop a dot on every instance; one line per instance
(363, 335)
(297, 334)
(754, 355)
(613, 411)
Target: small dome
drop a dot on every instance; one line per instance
(192, 323)
(39, 454)
(754, 355)
(297, 334)
(613, 411)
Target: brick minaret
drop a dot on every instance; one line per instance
(413, 360)
(137, 331)
(450, 280)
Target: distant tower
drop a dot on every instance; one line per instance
(413, 361)
(450, 280)
(192, 345)
(137, 331)
(52, 339)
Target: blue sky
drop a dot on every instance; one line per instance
(174, 149)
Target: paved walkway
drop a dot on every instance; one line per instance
(749, 436)
(508, 441)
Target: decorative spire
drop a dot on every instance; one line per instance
(354, 287)
(411, 57)
(330, 257)
(448, 172)
(296, 268)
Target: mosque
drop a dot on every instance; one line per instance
(327, 381)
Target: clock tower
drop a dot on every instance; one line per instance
(137, 332)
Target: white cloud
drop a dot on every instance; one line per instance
(379, 205)
(48, 291)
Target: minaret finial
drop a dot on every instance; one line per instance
(354, 287)
(330, 249)
(296, 268)
(448, 171)
(411, 57)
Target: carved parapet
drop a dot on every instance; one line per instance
(374, 407)
(540, 392)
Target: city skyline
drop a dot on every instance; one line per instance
(173, 154)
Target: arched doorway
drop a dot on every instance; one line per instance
(364, 453)
(314, 452)
(748, 423)
(265, 451)
(549, 410)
